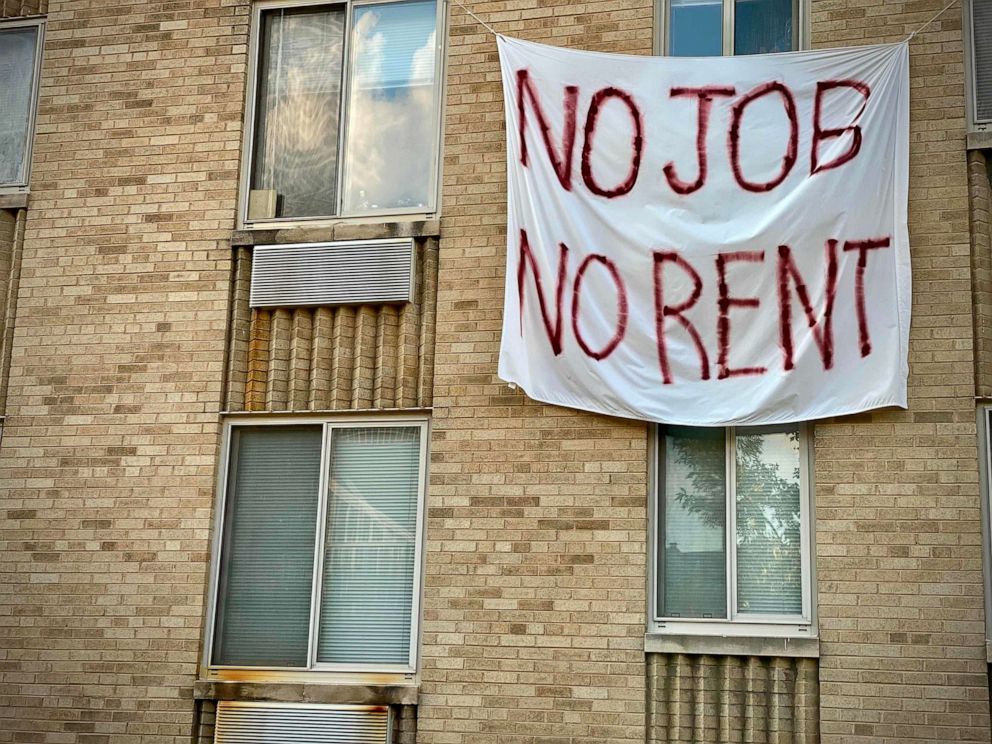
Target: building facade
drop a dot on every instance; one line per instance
(258, 476)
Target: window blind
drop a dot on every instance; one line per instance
(371, 537)
(266, 582)
(693, 553)
(767, 496)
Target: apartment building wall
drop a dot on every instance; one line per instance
(133, 333)
(110, 444)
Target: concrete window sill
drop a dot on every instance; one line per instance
(339, 231)
(14, 200)
(714, 645)
(979, 140)
(306, 692)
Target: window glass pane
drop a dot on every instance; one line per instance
(762, 26)
(392, 128)
(296, 128)
(693, 571)
(695, 28)
(266, 581)
(18, 48)
(371, 539)
(769, 567)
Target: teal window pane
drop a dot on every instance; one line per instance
(266, 577)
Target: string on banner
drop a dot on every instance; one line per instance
(908, 38)
(482, 22)
(921, 28)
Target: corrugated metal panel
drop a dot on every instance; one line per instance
(333, 358)
(346, 273)
(285, 723)
(981, 25)
(760, 700)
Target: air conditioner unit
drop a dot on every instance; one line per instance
(292, 723)
(356, 272)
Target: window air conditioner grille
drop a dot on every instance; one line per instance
(286, 723)
(345, 273)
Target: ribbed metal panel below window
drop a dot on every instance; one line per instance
(345, 273)
(283, 723)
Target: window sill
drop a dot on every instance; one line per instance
(14, 200)
(979, 140)
(340, 231)
(306, 692)
(731, 645)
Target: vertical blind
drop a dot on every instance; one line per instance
(18, 52)
(266, 581)
(371, 539)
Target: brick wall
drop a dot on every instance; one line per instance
(534, 608)
(107, 464)
(898, 530)
(535, 586)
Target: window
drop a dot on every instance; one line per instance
(979, 46)
(319, 547)
(732, 526)
(20, 60)
(706, 28)
(345, 110)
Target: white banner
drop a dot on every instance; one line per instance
(707, 241)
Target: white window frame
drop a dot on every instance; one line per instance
(251, 105)
(329, 424)
(663, 10)
(736, 623)
(971, 102)
(24, 184)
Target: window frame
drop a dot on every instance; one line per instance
(24, 184)
(251, 110)
(328, 424)
(662, 12)
(736, 623)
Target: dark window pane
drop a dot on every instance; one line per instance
(296, 127)
(693, 556)
(695, 28)
(762, 26)
(266, 580)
